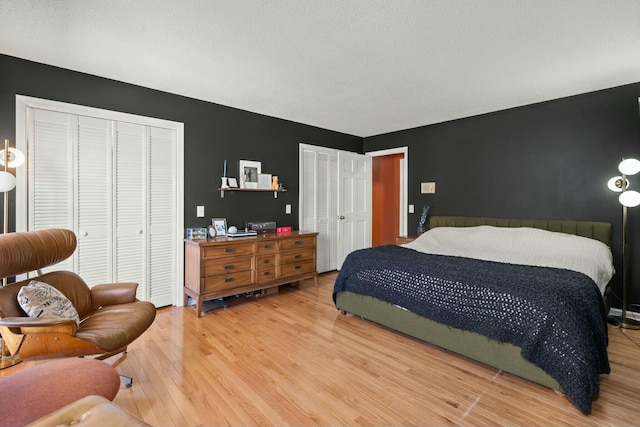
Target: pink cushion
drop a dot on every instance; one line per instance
(34, 392)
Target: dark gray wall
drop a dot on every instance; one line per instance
(212, 133)
(549, 160)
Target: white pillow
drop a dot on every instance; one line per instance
(38, 299)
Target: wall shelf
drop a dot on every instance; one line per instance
(275, 192)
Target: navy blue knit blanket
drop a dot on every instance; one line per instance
(556, 316)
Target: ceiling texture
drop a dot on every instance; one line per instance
(362, 67)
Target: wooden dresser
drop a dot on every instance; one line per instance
(225, 266)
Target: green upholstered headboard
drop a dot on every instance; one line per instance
(601, 231)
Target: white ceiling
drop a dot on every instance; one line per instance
(362, 67)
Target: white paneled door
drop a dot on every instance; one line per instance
(116, 184)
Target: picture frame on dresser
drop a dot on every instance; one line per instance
(249, 171)
(220, 224)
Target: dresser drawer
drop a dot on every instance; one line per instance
(267, 247)
(212, 267)
(294, 269)
(265, 274)
(227, 250)
(226, 281)
(301, 242)
(297, 256)
(265, 261)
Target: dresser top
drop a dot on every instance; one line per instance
(260, 237)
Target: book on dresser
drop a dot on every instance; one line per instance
(225, 266)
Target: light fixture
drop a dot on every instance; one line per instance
(628, 199)
(9, 158)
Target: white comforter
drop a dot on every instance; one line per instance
(523, 245)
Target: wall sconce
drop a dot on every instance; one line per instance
(628, 199)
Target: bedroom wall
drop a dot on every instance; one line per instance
(212, 133)
(549, 160)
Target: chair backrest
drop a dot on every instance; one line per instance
(23, 252)
(27, 251)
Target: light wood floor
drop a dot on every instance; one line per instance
(293, 359)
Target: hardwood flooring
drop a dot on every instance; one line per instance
(292, 359)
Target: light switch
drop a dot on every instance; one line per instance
(428, 187)
(200, 211)
(287, 209)
(411, 208)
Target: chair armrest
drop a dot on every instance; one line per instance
(41, 325)
(113, 293)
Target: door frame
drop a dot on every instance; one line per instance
(23, 103)
(404, 179)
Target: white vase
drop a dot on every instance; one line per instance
(224, 183)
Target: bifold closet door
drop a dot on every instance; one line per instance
(130, 188)
(69, 186)
(319, 203)
(114, 184)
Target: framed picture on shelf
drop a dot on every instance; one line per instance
(249, 171)
(264, 181)
(232, 183)
(220, 224)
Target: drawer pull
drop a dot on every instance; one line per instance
(266, 273)
(266, 261)
(298, 242)
(266, 246)
(298, 256)
(229, 249)
(229, 267)
(229, 279)
(298, 267)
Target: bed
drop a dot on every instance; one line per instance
(527, 314)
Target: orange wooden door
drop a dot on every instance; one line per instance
(385, 199)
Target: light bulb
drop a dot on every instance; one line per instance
(615, 184)
(7, 182)
(630, 199)
(16, 158)
(629, 166)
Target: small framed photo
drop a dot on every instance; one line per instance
(220, 224)
(264, 181)
(249, 171)
(232, 183)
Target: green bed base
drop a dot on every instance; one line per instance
(503, 356)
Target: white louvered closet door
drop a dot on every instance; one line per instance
(131, 205)
(115, 185)
(162, 214)
(51, 178)
(319, 203)
(94, 195)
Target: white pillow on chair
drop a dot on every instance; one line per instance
(38, 299)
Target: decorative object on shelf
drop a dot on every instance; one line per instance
(249, 171)
(627, 198)
(211, 231)
(220, 224)
(423, 219)
(232, 182)
(224, 176)
(274, 182)
(264, 181)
